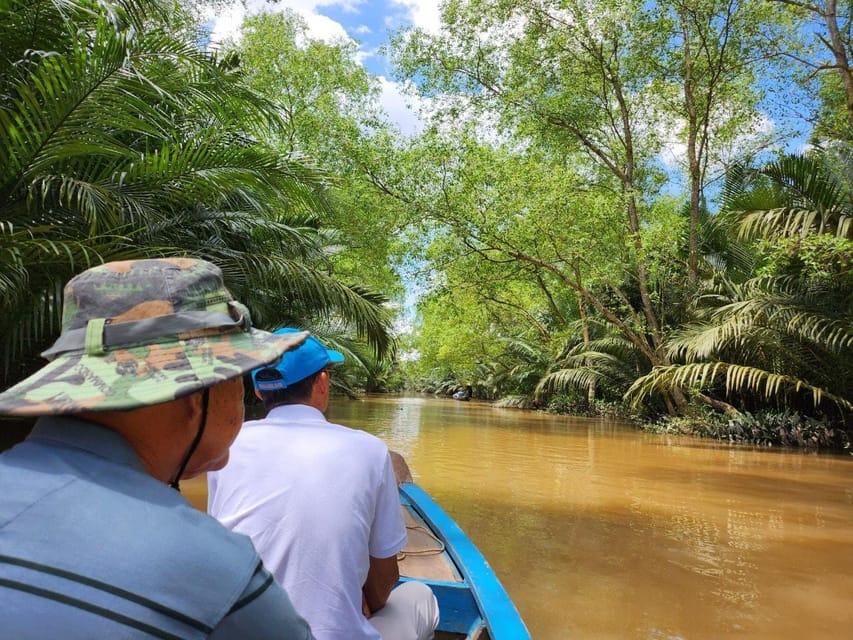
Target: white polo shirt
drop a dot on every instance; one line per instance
(317, 499)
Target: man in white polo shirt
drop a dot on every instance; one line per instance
(320, 503)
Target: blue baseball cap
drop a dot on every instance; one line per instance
(309, 358)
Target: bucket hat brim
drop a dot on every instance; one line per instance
(133, 377)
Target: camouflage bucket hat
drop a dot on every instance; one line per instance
(142, 332)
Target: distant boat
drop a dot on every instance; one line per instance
(472, 602)
(461, 395)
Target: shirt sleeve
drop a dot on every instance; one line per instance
(263, 612)
(388, 533)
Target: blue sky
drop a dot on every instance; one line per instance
(367, 22)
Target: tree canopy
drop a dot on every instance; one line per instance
(604, 205)
(121, 138)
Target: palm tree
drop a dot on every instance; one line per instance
(795, 196)
(602, 367)
(784, 336)
(119, 139)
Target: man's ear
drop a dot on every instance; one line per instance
(192, 407)
(320, 386)
(322, 381)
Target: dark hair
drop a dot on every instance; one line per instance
(296, 393)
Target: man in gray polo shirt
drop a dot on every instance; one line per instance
(144, 388)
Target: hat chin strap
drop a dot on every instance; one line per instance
(205, 397)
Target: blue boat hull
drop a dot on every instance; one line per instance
(473, 603)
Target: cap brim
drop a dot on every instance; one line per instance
(140, 376)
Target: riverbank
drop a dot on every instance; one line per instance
(763, 428)
(766, 428)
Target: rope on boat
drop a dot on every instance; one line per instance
(422, 552)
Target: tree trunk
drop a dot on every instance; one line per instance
(590, 392)
(840, 53)
(693, 161)
(719, 405)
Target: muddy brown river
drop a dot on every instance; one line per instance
(599, 531)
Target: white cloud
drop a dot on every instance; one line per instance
(757, 137)
(424, 14)
(226, 23)
(420, 13)
(227, 20)
(402, 108)
(673, 153)
(323, 28)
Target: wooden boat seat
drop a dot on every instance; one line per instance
(423, 555)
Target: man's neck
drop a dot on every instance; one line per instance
(303, 403)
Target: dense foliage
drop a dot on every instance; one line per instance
(605, 211)
(563, 227)
(121, 138)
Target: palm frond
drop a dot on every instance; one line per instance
(563, 380)
(736, 378)
(737, 325)
(120, 142)
(800, 195)
(279, 290)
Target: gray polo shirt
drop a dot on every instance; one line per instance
(91, 546)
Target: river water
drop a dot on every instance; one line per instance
(599, 531)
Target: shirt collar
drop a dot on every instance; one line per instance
(301, 412)
(87, 436)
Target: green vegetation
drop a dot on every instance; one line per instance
(562, 230)
(597, 211)
(120, 138)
